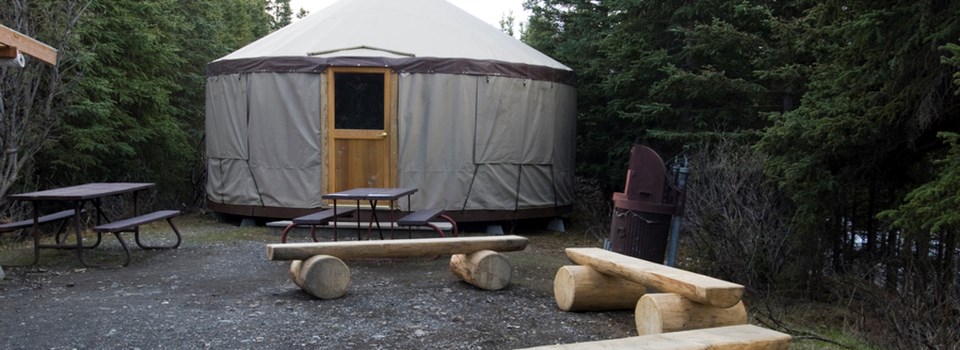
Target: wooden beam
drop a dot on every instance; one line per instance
(27, 45)
(399, 248)
(693, 286)
(742, 337)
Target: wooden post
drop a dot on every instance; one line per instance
(670, 312)
(485, 269)
(693, 286)
(400, 248)
(581, 288)
(324, 276)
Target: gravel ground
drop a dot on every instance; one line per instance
(219, 291)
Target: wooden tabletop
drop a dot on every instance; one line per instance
(371, 193)
(83, 192)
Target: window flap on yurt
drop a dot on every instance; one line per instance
(226, 117)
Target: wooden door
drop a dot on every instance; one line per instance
(359, 117)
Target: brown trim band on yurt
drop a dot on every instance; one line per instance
(416, 65)
(364, 213)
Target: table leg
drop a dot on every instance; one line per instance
(373, 216)
(334, 220)
(36, 233)
(393, 217)
(358, 220)
(76, 227)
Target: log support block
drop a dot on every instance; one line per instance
(581, 288)
(485, 269)
(323, 276)
(670, 312)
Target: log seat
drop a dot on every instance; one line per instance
(317, 268)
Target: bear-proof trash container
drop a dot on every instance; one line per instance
(641, 220)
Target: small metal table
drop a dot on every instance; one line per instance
(372, 195)
(77, 196)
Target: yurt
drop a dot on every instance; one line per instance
(391, 93)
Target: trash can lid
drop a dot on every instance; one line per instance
(620, 201)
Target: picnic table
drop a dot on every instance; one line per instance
(371, 196)
(77, 197)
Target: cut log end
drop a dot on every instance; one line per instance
(485, 269)
(295, 266)
(670, 312)
(324, 276)
(581, 288)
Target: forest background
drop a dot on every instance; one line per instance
(822, 136)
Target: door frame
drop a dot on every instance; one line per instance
(390, 95)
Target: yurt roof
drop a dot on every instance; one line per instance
(395, 31)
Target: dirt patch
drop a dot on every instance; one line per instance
(219, 291)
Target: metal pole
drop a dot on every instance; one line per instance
(681, 172)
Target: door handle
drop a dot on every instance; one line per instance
(383, 134)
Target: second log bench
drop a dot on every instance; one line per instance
(685, 300)
(317, 268)
(133, 225)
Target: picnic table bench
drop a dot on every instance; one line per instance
(422, 217)
(22, 224)
(133, 225)
(313, 220)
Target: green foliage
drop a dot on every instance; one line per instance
(137, 112)
(875, 101)
(670, 75)
(846, 98)
(280, 13)
(932, 207)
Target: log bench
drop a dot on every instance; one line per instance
(740, 337)
(317, 268)
(133, 225)
(422, 217)
(315, 219)
(683, 300)
(696, 287)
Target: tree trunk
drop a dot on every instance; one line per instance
(670, 312)
(485, 269)
(581, 288)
